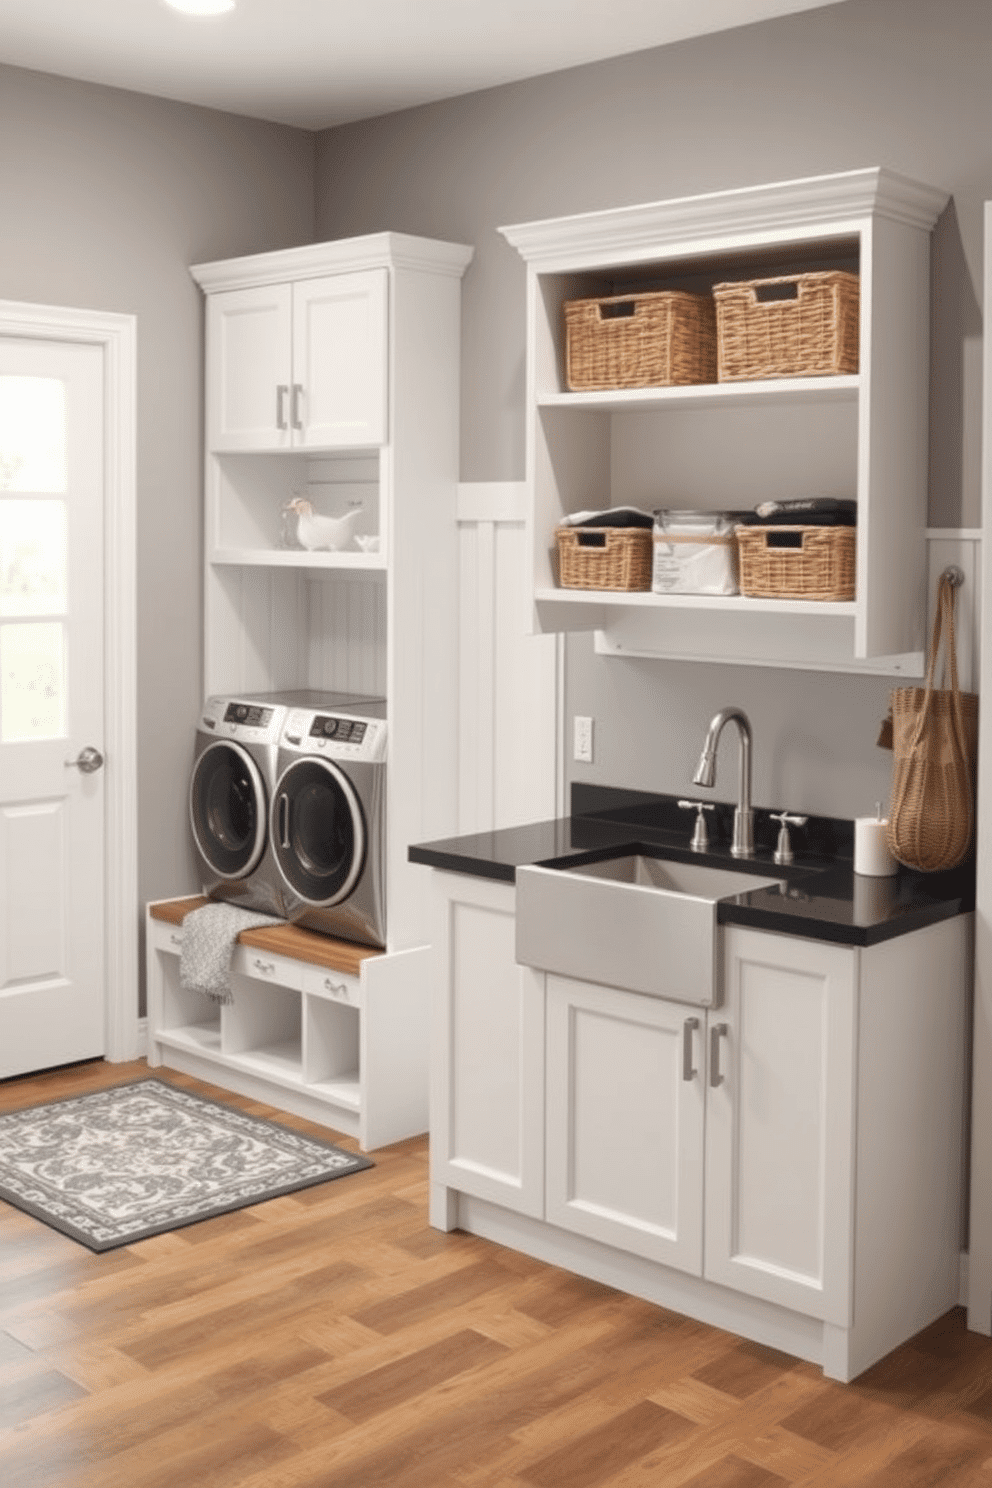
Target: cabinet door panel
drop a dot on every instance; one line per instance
(339, 360)
(625, 1128)
(249, 359)
(487, 1119)
(779, 1137)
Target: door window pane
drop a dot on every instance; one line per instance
(32, 557)
(32, 682)
(32, 434)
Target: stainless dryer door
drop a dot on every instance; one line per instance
(318, 831)
(228, 810)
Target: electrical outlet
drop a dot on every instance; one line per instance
(582, 750)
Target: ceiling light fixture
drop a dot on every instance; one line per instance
(201, 7)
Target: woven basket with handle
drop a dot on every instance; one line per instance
(604, 557)
(665, 338)
(796, 562)
(796, 325)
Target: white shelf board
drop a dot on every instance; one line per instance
(774, 392)
(722, 603)
(276, 1061)
(341, 1090)
(297, 558)
(202, 1038)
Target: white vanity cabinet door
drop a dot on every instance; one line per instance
(340, 360)
(249, 368)
(780, 1123)
(487, 1060)
(625, 1120)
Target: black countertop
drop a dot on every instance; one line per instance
(821, 897)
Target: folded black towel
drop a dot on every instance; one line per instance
(613, 516)
(811, 511)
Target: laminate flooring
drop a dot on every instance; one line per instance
(331, 1339)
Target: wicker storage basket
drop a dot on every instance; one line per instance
(796, 562)
(604, 557)
(798, 325)
(663, 339)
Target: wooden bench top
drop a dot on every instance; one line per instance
(281, 940)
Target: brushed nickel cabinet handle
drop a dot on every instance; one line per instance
(716, 1034)
(294, 406)
(688, 1030)
(281, 391)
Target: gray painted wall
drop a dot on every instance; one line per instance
(108, 197)
(901, 83)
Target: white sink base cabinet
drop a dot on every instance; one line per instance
(790, 1168)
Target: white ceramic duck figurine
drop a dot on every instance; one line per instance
(316, 531)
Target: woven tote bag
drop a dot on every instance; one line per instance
(935, 751)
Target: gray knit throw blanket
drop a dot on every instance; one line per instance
(209, 936)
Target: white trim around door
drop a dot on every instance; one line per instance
(117, 336)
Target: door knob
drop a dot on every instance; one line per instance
(87, 760)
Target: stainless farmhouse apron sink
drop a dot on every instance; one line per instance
(633, 921)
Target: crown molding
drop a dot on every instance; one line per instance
(716, 220)
(378, 250)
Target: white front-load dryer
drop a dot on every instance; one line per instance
(234, 770)
(327, 820)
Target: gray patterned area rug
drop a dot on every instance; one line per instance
(118, 1165)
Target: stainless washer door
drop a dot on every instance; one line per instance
(318, 831)
(228, 809)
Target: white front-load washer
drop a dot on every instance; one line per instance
(234, 770)
(327, 820)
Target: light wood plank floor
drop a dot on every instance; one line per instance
(331, 1339)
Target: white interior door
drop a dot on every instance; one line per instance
(52, 472)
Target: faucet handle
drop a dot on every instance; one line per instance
(700, 836)
(783, 848)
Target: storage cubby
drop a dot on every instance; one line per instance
(688, 273)
(726, 446)
(332, 1049)
(263, 1026)
(248, 493)
(181, 1010)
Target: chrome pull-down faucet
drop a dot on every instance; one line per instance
(742, 845)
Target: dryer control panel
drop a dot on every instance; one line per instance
(336, 736)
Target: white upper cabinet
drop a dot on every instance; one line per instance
(250, 361)
(728, 445)
(340, 360)
(298, 365)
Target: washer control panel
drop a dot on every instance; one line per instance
(235, 718)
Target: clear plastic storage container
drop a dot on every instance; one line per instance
(693, 553)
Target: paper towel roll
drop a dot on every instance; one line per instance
(871, 853)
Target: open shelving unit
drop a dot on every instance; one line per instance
(727, 446)
(332, 374)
